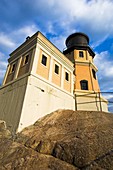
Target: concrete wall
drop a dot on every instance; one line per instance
(42, 98)
(11, 101)
(22, 102)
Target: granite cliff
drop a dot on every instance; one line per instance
(62, 140)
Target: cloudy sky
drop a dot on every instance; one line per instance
(57, 19)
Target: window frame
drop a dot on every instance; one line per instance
(24, 63)
(57, 67)
(84, 83)
(12, 68)
(81, 54)
(94, 74)
(44, 61)
(67, 77)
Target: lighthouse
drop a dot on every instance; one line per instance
(41, 79)
(86, 86)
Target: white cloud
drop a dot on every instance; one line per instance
(61, 18)
(50, 28)
(26, 30)
(6, 41)
(104, 64)
(19, 35)
(2, 73)
(11, 41)
(2, 57)
(3, 65)
(97, 13)
(93, 17)
(58, 42)
(105, 75)
(105, 70)
(108, 96)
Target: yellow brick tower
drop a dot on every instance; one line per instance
(86, 87)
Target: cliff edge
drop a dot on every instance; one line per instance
(62, 140)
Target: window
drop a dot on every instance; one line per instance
(56, 69)
(81, 54)
(12, 68)
(67, 76)
(44, 60)
(26, 59)
(84, 84)
(94, 74)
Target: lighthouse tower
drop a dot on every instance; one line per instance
(86, 87)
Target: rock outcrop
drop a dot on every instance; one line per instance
(62, 140)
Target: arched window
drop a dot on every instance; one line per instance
(84, 84)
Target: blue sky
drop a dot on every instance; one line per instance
(57, 19)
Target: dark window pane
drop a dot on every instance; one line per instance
(81, 54)
(94, 74)
(12, 68)
(44, 60)
(84, 84)
(66, 76)
(26, 59)
(56, 69)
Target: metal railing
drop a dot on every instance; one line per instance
(97, 100)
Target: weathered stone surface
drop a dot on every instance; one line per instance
(4, 132)
(63, 140)
(17, 156)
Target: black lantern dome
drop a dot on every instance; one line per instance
(78, 41)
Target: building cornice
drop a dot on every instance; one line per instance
(86, 63)
(26, 43)
(38, 37)
(15, 57)
(79, 47)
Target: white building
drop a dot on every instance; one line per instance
(40, 79)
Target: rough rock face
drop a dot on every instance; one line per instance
(63, 140)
